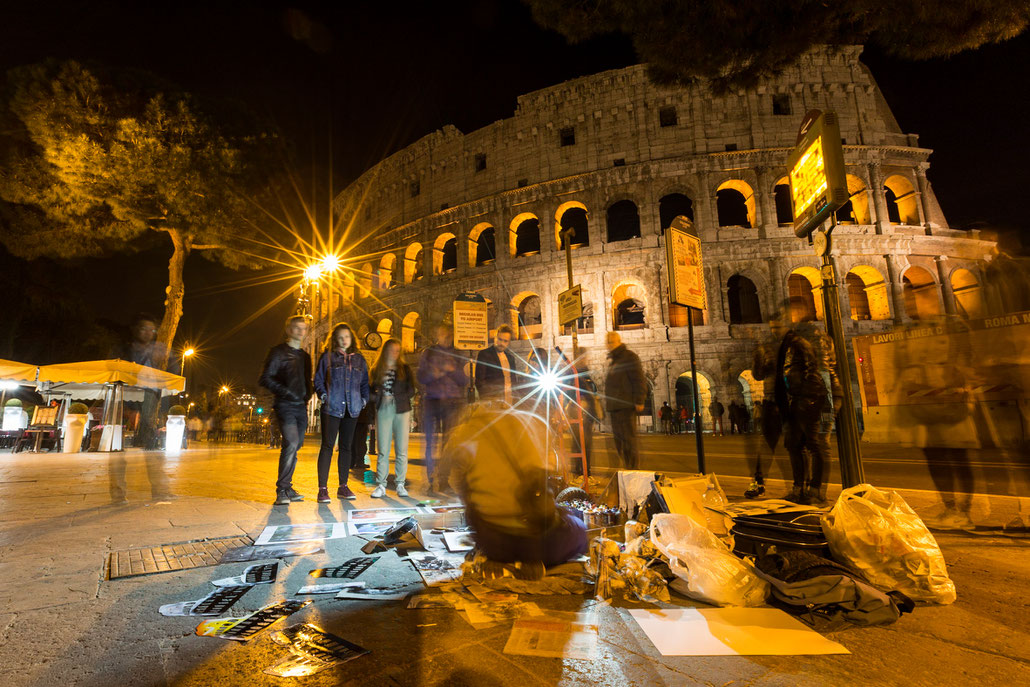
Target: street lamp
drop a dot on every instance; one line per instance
(185, 354)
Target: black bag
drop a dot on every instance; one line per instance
(760, 535)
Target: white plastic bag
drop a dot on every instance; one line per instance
(878, 534)
(710, 570)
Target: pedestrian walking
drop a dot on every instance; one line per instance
(625, 390)
(393, 386)
(287, 374)
(665, 416)
(684, 417)
(590, 409)
(716, 410)
(496, 368)
(341, 382)
(442, 377)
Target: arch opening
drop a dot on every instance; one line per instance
(673, 205)
(528, 315)
(901, 197)
(735, 204)
(629, 306)
(685, 398)
(623, 221)
(920, 291)
(445, 254)
(804, 291)
(524, 235)
(572, 215)
(868, 296)
(482, 245)
(968, 294)
(742, 296)
(413, 263)
(410, 332)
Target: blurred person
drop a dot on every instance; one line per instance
(665, 417)
(498, 463)
(341, 382)
(684, 418)
(143, 348)
(393, 385)
(442, 379)
(625, 390)
(496, 368)
(364, 437)
(733, 414)
(768, 420)
(287, 374)
(195, 425)
(716, 410)
(589, 407)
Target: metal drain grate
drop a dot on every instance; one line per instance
(181, 556)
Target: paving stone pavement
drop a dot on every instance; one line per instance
(61, 623)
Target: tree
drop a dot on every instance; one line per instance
(98, 160)
(735, 43)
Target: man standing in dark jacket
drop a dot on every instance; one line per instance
(443, 381)
(625, 390)
(495, 368)
(287, 374)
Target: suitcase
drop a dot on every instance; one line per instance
(760, 535)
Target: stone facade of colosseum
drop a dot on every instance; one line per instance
(615, 157)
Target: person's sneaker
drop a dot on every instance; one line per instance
(294, 496)
(344, 492)
(401, 491)
(954, 519)
(754, 490)
(379, 492)
(282, 498)
(796, 495)
(323, 495)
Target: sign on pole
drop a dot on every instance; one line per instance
(471, 331)
(686, 270)
(818, 186)
(570, 305)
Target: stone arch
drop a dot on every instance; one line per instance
(529, 316)
(573, 215)
(445, 253)
(482, 245)
(751, 389)
(623, 221)
(804, 290)
(629, 305)
(900, 195)
(671, 206)
(413, 262)
(735, 204)
(385, 327)
(524, 235)
(856, 210)
(868, 296)
(743, 301)
(387, 265)
(968, 293)
(784, 204)
(920, 291)
(365, 279)
(685, 396)
(410, 333)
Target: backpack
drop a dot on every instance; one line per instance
(827, 595)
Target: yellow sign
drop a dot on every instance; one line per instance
(570, 305)
(808, 178)
(686, 270)
(818, 185)
(470, 323)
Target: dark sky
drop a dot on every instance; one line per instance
(353, 81)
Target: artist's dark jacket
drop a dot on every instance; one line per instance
(287, 374)
(490, 376)
(403, 390)
(441, 373)
(342, 385)
(625, 386)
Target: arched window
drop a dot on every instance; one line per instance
(628, 303)
(901, 200)
(365, 279)
(524, 238)
(623, 221)
(743, 301)
(867, 294)
(571, 215)
(410, 332)
(920, 291)
(386, 268)
(672, 206)
(735, 202)
(856, 210)
(968, 294)
(784, 206)
(530, 315)
(685, 398)
(385, 327)
(445, 254)
(801, 289)
(585, 324)
(413, 262)
(482, 245)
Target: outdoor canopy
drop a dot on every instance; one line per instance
(111, 372)
(17, 372)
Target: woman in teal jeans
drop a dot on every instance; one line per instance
(393, 385)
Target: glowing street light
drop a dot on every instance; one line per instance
(313, 272)
(330, 263)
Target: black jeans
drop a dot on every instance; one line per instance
(358, 446)
(293, 422)
(333, 427)
(801, 435)
(624, 433)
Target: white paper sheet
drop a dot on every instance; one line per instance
(731, 632)
(382, 514)
(437, 567)
(331, 588)
(459, 541)
(277, 534)
(556, 635)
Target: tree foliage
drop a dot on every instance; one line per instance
(97, 160)
(735, 43)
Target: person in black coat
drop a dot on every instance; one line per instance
(496, 368)
(625, 390)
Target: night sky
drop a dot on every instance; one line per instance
(351, 82)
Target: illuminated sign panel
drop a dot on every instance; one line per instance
(818, 186)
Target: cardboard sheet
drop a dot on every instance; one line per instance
(279, 534)
(731, 632)
(555, 635)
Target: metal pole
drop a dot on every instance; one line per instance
(848, 451)
(567, 234)
(697, 399)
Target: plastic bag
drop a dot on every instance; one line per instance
(710, 570)
(878, 534)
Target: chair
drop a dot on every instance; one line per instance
(42, 432)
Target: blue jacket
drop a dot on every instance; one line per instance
(343, 389)
(441, 373)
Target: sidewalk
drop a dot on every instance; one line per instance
(61, 623)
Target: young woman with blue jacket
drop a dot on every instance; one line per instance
(341, 382)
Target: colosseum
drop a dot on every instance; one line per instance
(615, 157)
